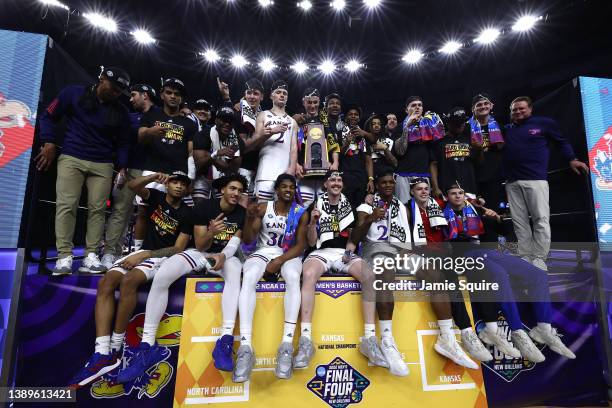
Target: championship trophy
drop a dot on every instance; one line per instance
(316, 161)
(247, 115)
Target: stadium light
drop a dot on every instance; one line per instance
(372, 4)
(327, 67)
(525, 23)
(305, 5)
(55, 3)
(211, 55)
(239, 61)
(450, 47)
(267, 65)
(143, 37)
(100, 21)
(488, 36)
(265, 3)
(338, 4)
(300, 67)
(353, 66)
(412, 57)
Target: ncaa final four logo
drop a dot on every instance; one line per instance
(338, 384)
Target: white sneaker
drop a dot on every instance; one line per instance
(497, 340)
(63, 266)
(92, 264)
(397, 366)
(552, 339)
(108, 260)
(369, 347)
(528, 350)
(540, 263)
(449, 348)
(474, 346)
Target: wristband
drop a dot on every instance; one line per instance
(370, 178)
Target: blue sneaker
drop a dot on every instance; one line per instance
(146, 356)
(97, 366)
(223, 353)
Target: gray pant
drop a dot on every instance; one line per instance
(123, 207)
(530, 198)
(72, 173)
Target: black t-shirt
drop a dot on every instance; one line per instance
(416, 159)
(489, 164)
(170, 152)
(454, 156)
(208, 210)
(379, 160)
(340, 237)
(164, 222)
(352, 162)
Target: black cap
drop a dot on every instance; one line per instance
(118, 77)
(225, 112)
(330, 173)
(353, 106)
(202, 104)
(279, 84)
(456, 115)
(333, 95)
(479, 97)
(176, 84)
(144, 88)
(254, 83)
(180, 176)
(413, 98)
(311, 92)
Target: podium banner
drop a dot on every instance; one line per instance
(339, 375)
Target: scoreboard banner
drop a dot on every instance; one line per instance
(339, 375)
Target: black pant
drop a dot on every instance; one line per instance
(487, 311)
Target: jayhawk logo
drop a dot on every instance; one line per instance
(155, 378)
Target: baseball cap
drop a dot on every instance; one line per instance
(254, 83)
(311, 92)
(176, 84)
(202, 104)
(180, 176)
(225, 112)
(333, 95)
(142, 88)
(118, 77)
(456, 115)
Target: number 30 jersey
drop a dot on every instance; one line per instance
(272, 228)
(275, 153)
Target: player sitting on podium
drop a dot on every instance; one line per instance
(217, 230)
(280, 228)
(168, 231)
(331, 221)
(383, 226)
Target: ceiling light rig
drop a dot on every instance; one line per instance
(101, 21)
(305, 5)
(143, 37)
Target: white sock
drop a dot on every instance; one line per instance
(138, 244)
(446, 327)
(386, 327)
(491, 327)
(116, 341)
(465, 332)
(149, 331)
(228, 327)
(306, 330)
(288, 331)
(103, 345)
(245, 338)
(545, 326)
(369, 330)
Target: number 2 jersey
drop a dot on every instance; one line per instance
(275, 153)
(272, 229)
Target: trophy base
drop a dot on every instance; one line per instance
(315, 173)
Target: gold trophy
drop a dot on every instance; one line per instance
(316, 161)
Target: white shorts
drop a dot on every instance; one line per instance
(264, 190)
(266, 254)
(331, 258)
(202, 187)
(149, 266)
(310, 189)
(153, 185)
(197, 260)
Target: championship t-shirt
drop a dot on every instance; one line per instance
(164, 222)
(208, 210)
(454, 157)
(170, 152)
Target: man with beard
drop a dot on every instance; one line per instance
(392, 129)
(276, 135)
(247, 110)
(142, 97)
(413, 149)
(331, 222)
(218, 227)
(280, 228)
(216, 151)
(97, 128)
(310, 185)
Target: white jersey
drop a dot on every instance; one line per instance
(272, 228)
(275, 154)
(379, 230)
